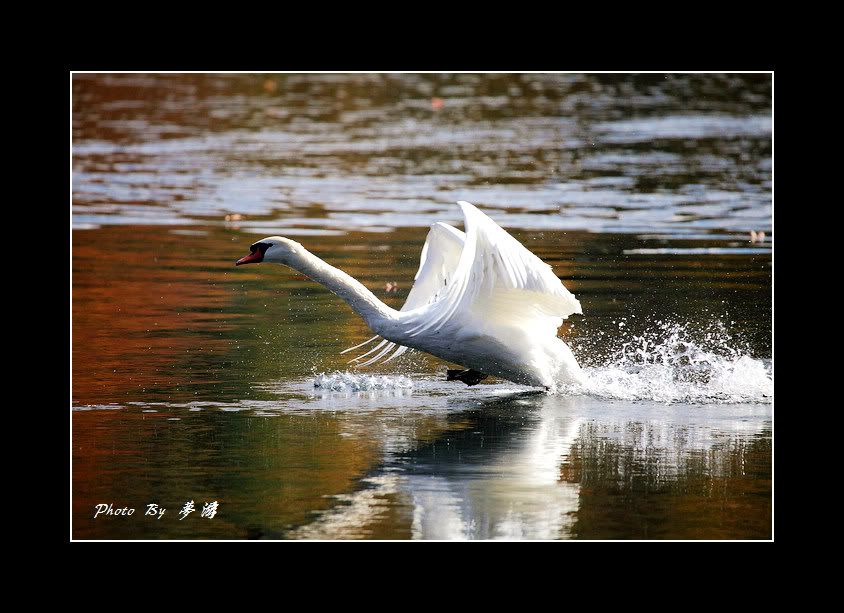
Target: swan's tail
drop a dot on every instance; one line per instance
(385, 346)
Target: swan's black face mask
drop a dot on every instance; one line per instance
(258, 250)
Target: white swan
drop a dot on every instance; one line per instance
(479, 299)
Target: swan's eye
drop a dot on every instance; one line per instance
(262, 246)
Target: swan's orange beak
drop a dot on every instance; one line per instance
(254, 257)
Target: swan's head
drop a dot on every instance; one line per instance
(271, 249)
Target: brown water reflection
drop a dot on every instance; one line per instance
(714, 493)
(192, 380)
(257, 469)
(511, 466)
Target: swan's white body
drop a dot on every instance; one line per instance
(480, 299)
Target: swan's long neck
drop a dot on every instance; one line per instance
(374, 312)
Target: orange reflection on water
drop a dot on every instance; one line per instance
(139, 322)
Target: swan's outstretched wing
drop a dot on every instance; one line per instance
(497, 282)
(437, 265)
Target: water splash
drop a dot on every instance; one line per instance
(670, 363)
(347, 381)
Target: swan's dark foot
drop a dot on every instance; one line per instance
(469, 377)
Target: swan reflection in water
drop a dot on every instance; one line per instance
(534, 466)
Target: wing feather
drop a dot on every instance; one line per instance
(373, 350)
(495, 270)
(439, 259)
(359, 345)
(385, 351)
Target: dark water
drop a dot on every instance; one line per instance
(193, 380)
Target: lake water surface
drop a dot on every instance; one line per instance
(197, 381)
